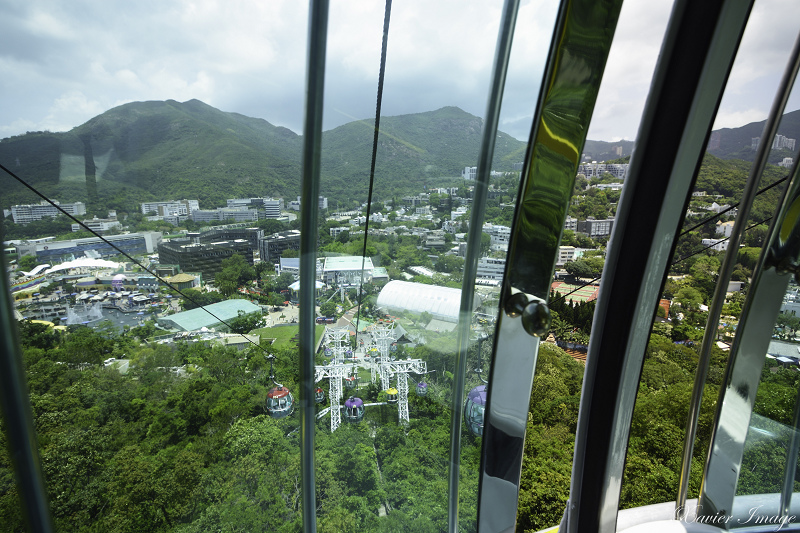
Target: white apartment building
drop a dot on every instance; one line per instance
(500, 236)
(459, 212)
(566, 254)
(491, 268)
(716, 244)
(99, 225)
(336, 231)
(469, 173)
(780, 142)
(294, 205)
(25, 214)
(724, 228)
(595, 169)
(171, 207)
(223, 213)
(270, 207)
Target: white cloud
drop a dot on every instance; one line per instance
(65, 62)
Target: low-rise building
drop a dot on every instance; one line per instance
(273, 246)
(60, 251)
(25, 214)
(225, 213)
(566, 254)
(724, 228)
(347, 270)
(595, 228)
(170, 207)
(336, 231)
(99, 225)
(499, 235)
(205, 258)
(491, 268)
(719, 245)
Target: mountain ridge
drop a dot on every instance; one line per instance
(167, 149)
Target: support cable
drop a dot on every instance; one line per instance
(118, 249)
(684, 258)
(728, 263)
(384, 43)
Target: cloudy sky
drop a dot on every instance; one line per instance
(65, 62)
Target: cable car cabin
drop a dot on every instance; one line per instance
(319, 395)
(353, 410)
(391, 395)
(351, 382)
(474, 408)
(422, 389)
(280, 402)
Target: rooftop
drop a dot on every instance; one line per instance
(347, 262)
(199, 318)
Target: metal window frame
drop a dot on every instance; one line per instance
(578, 52)
(695, 61)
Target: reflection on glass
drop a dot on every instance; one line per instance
(770, 449)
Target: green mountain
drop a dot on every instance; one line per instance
(162, 150)
(150, 150)
(736, 143)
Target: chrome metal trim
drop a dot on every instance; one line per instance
(581, 40)
(726, 269)
(737, 397)
(693, 66)
(312, 141)
(488, 138)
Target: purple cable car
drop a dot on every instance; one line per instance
(353, 410)
(474, 408)
(422, 389)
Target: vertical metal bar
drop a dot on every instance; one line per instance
(19, 419)
(748, 352)
(312, 142)
(725, 271)
(578, 52)
(489, 135)
(693, 67)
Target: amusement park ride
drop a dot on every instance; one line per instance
(342, 373)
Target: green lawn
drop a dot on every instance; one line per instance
(284, 335)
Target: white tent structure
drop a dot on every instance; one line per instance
(84, 262)
(441, 302)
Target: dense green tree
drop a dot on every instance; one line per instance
(328, 309)
(193, 298)
(245, 323)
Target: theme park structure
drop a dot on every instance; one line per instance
(375, 355)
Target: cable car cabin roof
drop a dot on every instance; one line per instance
(278, 392)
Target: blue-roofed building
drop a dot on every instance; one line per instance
(290, 265)
(196, 319)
